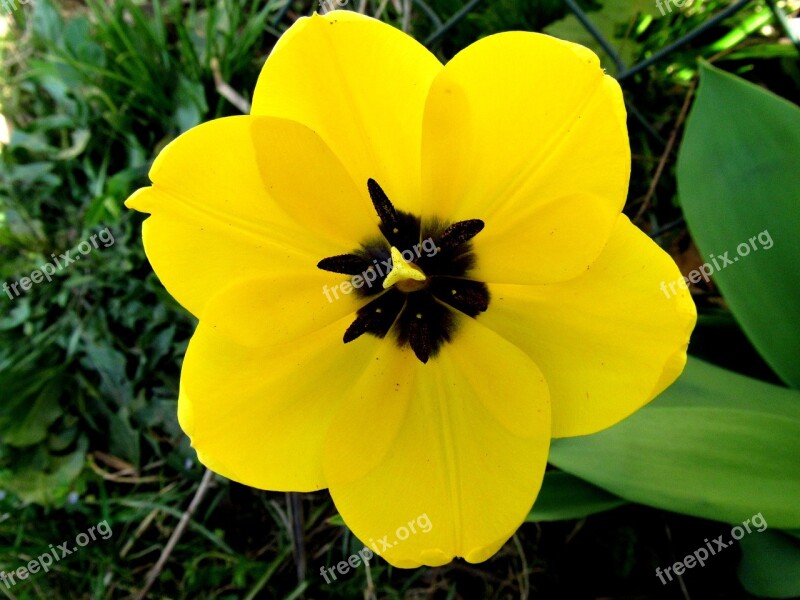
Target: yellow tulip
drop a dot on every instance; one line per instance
(410, 276)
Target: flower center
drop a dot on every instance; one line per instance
(416, 274)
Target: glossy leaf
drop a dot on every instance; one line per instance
(716, 445)
(739, 186)
(564, 496)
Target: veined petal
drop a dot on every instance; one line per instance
(522, 123)
(243, 197)
(608, 341)
(308, 181)
(282, 307)
(543, 243)
(259, 416)
(361, 85)
(462, 440)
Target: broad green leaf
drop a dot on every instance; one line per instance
(739, 186)
(716, 445)
(770, 565)
(564, 496)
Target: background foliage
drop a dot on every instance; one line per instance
(89, 363)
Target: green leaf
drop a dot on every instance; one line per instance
(30, 405)
(739, 186)
(564, 496)
(47, 22)
(191, 104)
(109, 363)
(35, 142)
(80, 139)
(770, 565)
(716, 445)
(78, 41)
(49, 486)
(124, 437)
(19, 313)
(31, 426)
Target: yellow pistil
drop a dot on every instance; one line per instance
(407, 276)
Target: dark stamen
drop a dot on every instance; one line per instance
(460, 233)
(470, 297)
(425, 325)
(346, 264)
(383, 206)
(400, 229)
(422, 319)
(377, 317)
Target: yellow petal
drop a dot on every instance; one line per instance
(520, 129)
(361, 85)
(543, 243)
(229, 203)
(309, 182)
(608, 341)
(259, 416)
(282, 307)
(461, 440)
